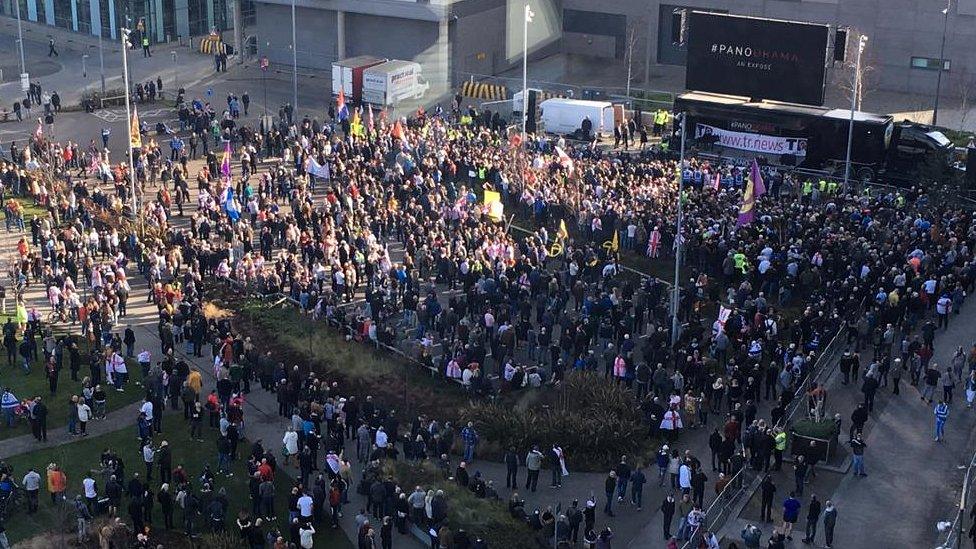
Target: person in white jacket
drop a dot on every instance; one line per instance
(306, 532)
(290, 443)
(84, 416)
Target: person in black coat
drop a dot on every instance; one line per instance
(667, 511)
(511, 466)
(715, 446)
(135, 513)
(165, 500)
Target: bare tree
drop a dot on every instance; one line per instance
(966, 86)
(866, 71)
(633, 27)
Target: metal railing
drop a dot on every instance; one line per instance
(954, 531)
(736, 489)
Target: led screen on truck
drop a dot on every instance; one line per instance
(756, 58)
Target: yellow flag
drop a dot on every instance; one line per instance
(615, 245)
(563, 232)
(495, 208)
(135, 138)
(492, 196)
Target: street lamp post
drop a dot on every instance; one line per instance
(20, 41)
(128, 120)
(856, 84)
(264, 81)
(294, 61)
(101, 59)
(676, 291)
(176, 73)
(938, 81)
(525, 66)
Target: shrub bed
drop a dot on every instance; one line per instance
(481, 518)
(592, 420)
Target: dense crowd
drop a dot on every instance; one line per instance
(385, 230)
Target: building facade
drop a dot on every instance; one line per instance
(161, 20)
(903, 52)
(448, 38)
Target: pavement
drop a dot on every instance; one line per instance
(77, 67)
(906, 465)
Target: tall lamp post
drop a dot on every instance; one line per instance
(264, 81)
(176, 73)
(128, 120)
(529, 14)
(20, 41)
(938, 81)
(676, 291)
(101, 59)
(856, 84)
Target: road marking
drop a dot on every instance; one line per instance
(115, 115)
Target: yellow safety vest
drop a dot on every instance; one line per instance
(807, 187)
(781, 441)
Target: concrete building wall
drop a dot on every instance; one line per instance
(898, 30)
(315, 30)
(466, 37)
(478, 42)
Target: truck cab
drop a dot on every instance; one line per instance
(916, 141)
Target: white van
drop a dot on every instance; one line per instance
(391, 82)
(564, 116)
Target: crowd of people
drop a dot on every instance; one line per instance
(381, 225)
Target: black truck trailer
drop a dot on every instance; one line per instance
(812, 137)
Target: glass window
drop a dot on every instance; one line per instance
(62, 13)
(929, 63)
(84, 16)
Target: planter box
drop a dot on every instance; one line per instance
(826, 448)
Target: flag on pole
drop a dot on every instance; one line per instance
(755, 176)
(564, 160)
(397, 131)
(135, 138)
(754, 189)
(529, 14)
(225, 162)
(563, 232)
(39, 132)
(369, 118)
(615, 243)
(342, 111)
(230, 205)
(717, 181)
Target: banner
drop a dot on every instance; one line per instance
(135, 138)
(754, 142)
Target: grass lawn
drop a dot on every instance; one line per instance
(36, 384)
(81, 456)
